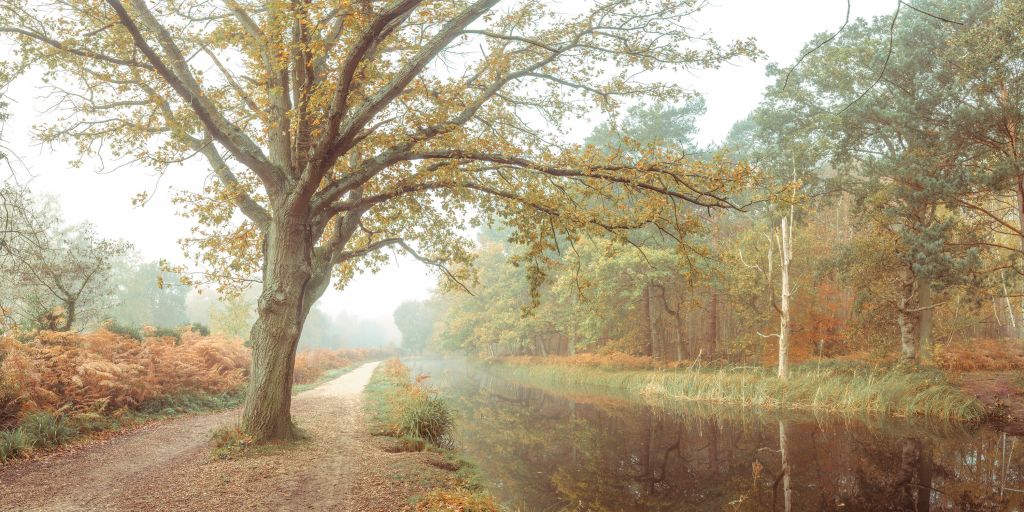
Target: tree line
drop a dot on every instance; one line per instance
(885, 216)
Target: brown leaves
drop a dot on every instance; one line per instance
(105, 371)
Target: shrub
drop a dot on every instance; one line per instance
(130, 331)
(230, 441)
(103, 371)
(427, 416)
(198, 328)
(980, 355)
(310, 365)
(10, 404)
(162, 332)
(13, 444)
(401, 406)
(46, 429)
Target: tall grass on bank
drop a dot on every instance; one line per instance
(845, 388)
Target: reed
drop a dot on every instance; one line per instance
(843, 388)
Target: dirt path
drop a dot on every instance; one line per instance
(167, 465)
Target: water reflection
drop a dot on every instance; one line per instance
(544, 451)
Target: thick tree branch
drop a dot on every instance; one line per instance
(237, 143)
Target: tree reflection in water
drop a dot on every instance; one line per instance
(541, 451)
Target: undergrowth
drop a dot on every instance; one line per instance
(50, 429)
(834, 387)
(230, 441)
(419, 419)
(400, 407)
(463, 500)
(55, 387)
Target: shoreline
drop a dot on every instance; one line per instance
(837, 389)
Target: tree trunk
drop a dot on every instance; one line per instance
(1011, 318)
(924, 324)
(679, 333)
(282, 308)
(785, 329)
(905, 317)
(70, 312)
(713, 324)
(649, 303)
(787, 482)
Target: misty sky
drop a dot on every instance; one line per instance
(98, 193)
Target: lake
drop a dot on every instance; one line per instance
(581, 450)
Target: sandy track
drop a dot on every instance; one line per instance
(167, 466)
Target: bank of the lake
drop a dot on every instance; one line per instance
(415, 424)
(828, 387)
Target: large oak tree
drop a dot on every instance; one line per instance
(336, 129)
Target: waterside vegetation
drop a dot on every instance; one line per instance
(418, 418)
(832, 387)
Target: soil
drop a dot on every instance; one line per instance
(167, 465)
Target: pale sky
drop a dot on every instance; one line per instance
(103, 197)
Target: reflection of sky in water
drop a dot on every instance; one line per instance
(542, 451)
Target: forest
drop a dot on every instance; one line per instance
(819, 308)
(891, 229)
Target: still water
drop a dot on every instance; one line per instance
(541, 450)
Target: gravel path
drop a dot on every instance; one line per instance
(167, 465)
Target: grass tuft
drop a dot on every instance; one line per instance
(401, 407)
(230, 441)
(46, 429)
(428, 417)
(14, 444)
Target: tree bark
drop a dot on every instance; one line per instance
(713, 324)
(70, 312)
(787, 482)
(282, 307)
(905, 317)
(924, 324)
(649, 304)
(785, 329)
(678, 333)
